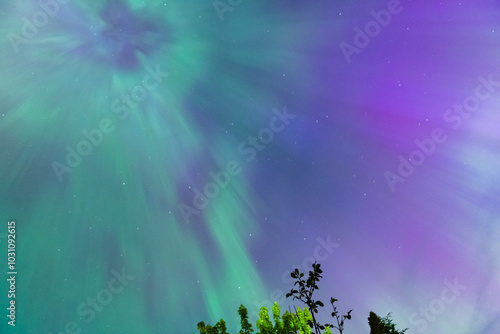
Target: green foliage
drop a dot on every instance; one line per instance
(305, 320)
(264, 325)
(202, 328)
(383, 325)
(246, 327)
(288, 323)
(219, 328)
(279, 326)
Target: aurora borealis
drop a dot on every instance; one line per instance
(167, 161)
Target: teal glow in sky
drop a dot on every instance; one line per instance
(165, 161)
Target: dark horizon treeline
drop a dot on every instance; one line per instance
(301, 321)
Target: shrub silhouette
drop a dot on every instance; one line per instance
(305, 292)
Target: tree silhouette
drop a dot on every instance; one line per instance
(382, 325)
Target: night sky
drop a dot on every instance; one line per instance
(167, 161)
